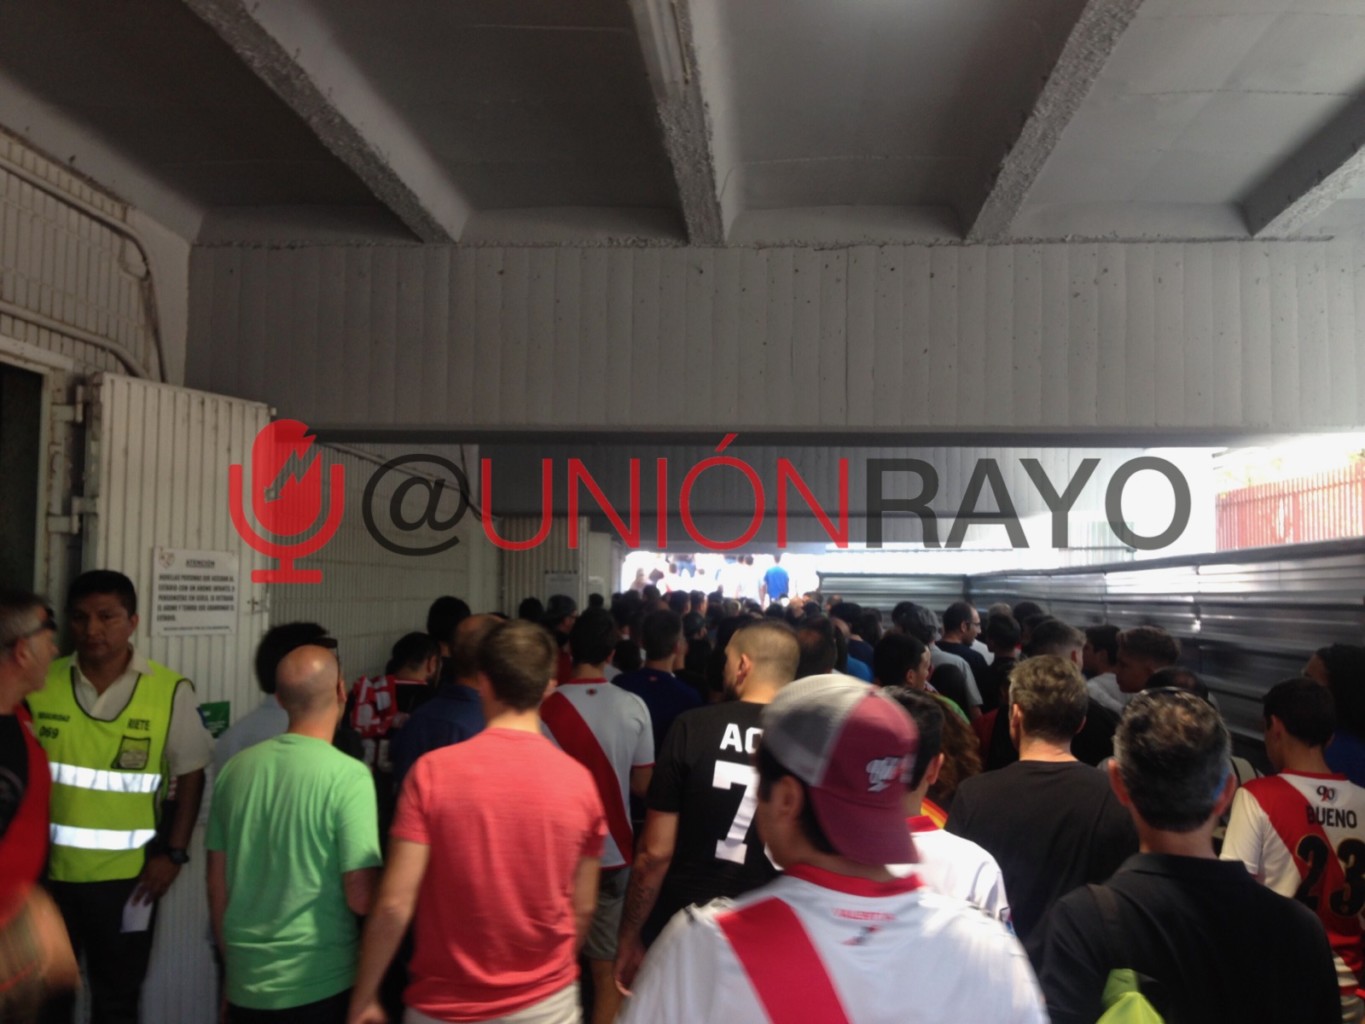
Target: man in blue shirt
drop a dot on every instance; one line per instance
(454, 713)
(664, 694)
(776, 583)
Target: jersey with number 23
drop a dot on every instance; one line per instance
(1304, 836)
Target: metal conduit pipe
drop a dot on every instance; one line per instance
(148, 284)
(109, 345)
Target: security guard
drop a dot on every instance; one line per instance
(116, 728)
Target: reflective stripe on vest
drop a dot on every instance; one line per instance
(106, 782)
(101, 838)
(108, 777)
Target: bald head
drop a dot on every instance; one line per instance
(306, 682)
(468, 636)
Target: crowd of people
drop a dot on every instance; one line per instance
(685, 807)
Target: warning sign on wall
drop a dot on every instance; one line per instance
(194, 593)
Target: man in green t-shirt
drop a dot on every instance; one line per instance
(293, 856)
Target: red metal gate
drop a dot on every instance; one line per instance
(1324, 506)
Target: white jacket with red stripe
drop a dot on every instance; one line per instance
(894, 952)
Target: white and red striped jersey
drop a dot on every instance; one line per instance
(1304, 836)
(606, 729)
(891, 952)
(954, 866)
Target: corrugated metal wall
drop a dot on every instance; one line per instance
(1141, 337)
(64, 275)
(370, 597)
(1246, 619)
(162, 455)
(885, 591)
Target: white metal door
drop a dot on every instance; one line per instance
(156, 475)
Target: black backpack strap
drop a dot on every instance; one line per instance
(1113, 931)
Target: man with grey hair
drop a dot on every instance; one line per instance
(1049, 820)
(1194, 929)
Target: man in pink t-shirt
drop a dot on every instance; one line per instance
(498, 841)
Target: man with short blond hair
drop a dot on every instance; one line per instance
(495, 848)
(1049, 820)
(1094, 744)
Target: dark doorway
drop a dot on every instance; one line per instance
(21, 411)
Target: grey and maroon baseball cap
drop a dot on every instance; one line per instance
(855, 749)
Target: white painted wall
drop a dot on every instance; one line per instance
(370, 597)
(526, 573)
(1140, 338)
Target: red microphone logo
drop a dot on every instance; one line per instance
(286, 499)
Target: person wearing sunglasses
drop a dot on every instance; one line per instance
(35, 954)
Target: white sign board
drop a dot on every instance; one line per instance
(194, 593)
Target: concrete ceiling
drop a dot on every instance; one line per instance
(153, 81)
(709, 121)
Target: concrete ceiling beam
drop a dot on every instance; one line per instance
(1314, 177)
(284, 44)
(1088, 48)
(666, 42)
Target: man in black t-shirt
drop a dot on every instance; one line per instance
(699, 842)
(1050, 821)
(1207, 941)
(962, 625)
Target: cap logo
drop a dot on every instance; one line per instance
(881, 772)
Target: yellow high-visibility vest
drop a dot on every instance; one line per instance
(108, 778)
